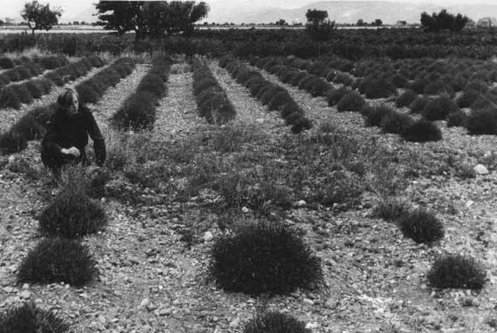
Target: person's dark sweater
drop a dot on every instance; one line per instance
(66, 131)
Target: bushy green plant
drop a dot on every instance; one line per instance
(264, 258)
(137, 112)
(438, 87)
(353, 101)
(275, 322)
(458, 118)
(418, 104)
(333, 96)
(419, 85)
(302, 124)
(439, 108)
(421, 225)
(456, 271)
(374, 115)
(390, 209)
(73, 214)
(468, 97)
(482, 121)
(58, 260)
(422, 130)
(396, 122)
(316, 86)
(6, 63)
(153, 84)
(378, 88)
(30, 319)
(87, 93)
(9, 98)
(12, 142)
(406, 98)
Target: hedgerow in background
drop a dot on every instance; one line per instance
(456, 271)
(421, 225)
(30, 319)
(264, 258)
(55, 260)
(275, 322)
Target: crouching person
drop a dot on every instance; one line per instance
(67, 135)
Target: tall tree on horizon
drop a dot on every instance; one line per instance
(40, 16)
(153, 18)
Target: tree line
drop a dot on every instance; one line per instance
(158, 18)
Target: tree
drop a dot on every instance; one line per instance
(180, 16)
(318, 26)
(315, 16)
(40, 16)
(1, 23)
(360, 23)
(281, 22)
(153, 18)
(378, 23)
(443, 21)
(122, 16)
(459, 22)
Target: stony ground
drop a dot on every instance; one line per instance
(151, 282)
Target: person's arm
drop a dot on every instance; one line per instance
(98, 139)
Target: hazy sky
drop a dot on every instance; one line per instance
(72, 8)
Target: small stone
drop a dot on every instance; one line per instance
(469, 203)
(245, 210)
(469, 301)
(480, 169)
(312, 326)
(260, 120)
(144, 303)
(9, 290)
(208, 236)
(308, 301)
(165, 311)
(150, 252)
(300, 203)
(151, 307)
(235, 323)
(25, 294)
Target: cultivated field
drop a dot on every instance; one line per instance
(384, 167)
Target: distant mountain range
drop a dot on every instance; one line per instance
(263, 11)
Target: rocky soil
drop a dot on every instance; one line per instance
(151, 281)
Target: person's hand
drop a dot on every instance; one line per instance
(71, 151)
